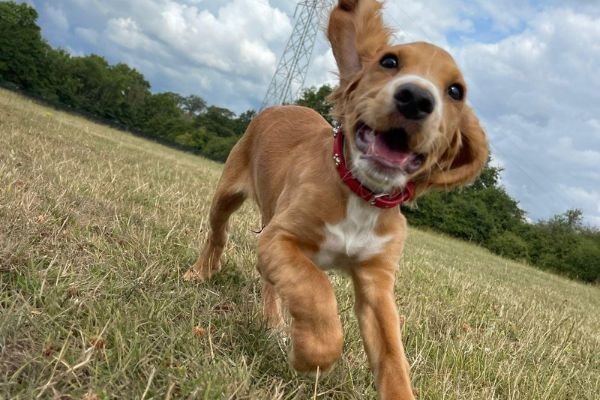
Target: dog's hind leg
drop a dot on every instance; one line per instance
(271, 306)
(231, 192)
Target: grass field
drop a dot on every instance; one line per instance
(98, 226)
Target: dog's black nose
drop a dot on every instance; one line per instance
(413, 101)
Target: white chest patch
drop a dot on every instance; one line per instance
(353, 239)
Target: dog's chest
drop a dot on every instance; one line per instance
(352, 240)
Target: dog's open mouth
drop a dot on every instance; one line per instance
(389, 149)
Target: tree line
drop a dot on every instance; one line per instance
(485, 214)
(482, 213)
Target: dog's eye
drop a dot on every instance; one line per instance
(456, 91)
(389, 61)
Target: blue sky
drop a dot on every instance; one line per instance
(532, 69)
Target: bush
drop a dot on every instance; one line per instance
(583, 262)
(509, 244)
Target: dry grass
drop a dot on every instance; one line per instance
(97, 227)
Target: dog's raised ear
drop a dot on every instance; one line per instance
(465, 157)
(356, 33)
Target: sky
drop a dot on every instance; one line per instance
(532, 68)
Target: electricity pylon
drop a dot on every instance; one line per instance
(290, 74)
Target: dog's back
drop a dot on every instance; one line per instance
(279, 150)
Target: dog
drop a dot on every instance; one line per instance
(329, 197)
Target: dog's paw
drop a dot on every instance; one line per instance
(203, 269)
(311, 354)
(310, 369)
(192, 275)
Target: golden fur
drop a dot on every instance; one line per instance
(284, 162)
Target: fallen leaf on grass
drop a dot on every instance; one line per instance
(90, 396)
(73, 291)
(98, 343)
(223, 308)
(49, 349)
(199, 331)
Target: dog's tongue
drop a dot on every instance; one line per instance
(387, 146)
(390, 150)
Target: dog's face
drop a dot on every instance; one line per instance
(403, 110)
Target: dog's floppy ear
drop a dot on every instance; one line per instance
(465, 157)
(356, 33)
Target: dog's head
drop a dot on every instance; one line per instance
(402, 107)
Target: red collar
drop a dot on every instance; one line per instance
(377, 200)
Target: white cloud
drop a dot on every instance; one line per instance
(233, 40)
(230, 45)
(586, 200)
(323, 70)
(89, 35)
(57, 17)
(125, 32)
(425, 20)
(507, 15)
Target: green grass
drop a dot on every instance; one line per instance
(98, 226)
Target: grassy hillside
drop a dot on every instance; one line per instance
(98, 226)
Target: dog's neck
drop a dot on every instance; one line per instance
(380, 200)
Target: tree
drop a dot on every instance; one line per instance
(510, 245)
(317, 100)
(583, 261)
(217, 120)
(22, 49)
(124, 94)
(162, 116)
(88, 83)
(61, 84)
(242, 121)
(218, 148)
(192, 106)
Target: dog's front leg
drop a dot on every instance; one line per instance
(380, 329)
(316, 329)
